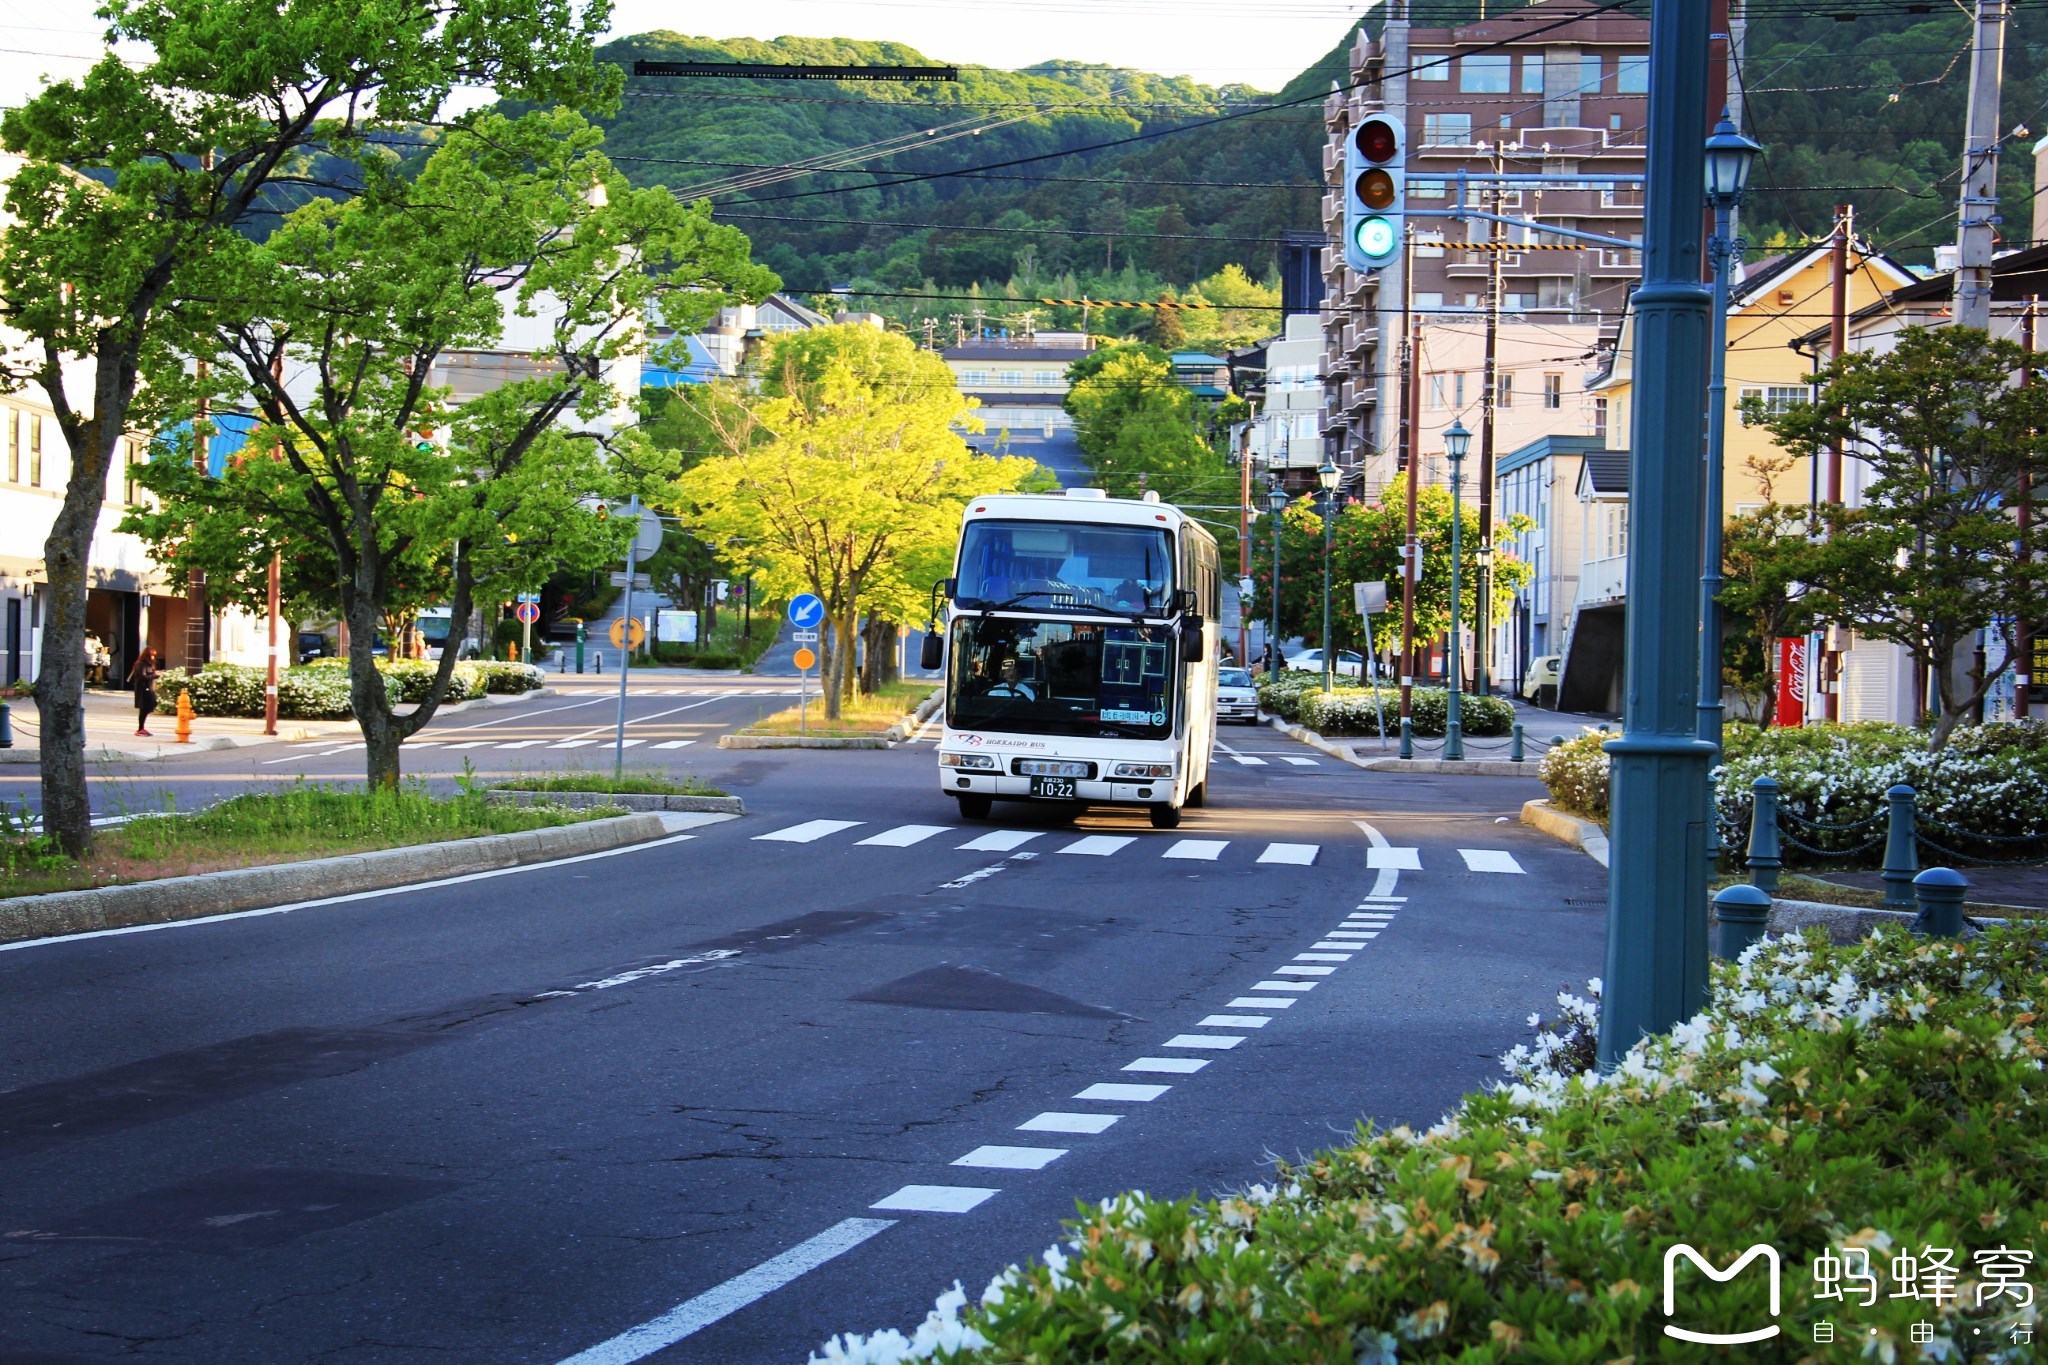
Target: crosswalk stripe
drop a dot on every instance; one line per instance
(1212, 1042)
(1097, 845)
(1181, 1066)
(1001, 840)
(1489, 860)
(1205, 850)
(521, 744)
(1249, 761)
(1322, 957)
(903, 836)
(1303, 971)
(809, 830)
(573, 743)
(1300, 762)
(627, 744)
(675, 744)
(1400, 859)
(1294, 855)
(468, 744)
(1143, 1094)
(424, 744)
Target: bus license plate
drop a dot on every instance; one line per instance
(1054, 786)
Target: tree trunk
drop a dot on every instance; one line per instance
(60, 679)
(372, 704)
(878, 665)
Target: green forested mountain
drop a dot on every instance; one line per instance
(1867, 110)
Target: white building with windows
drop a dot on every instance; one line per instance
(1021, 381)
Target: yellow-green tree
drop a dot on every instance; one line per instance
(841, 472)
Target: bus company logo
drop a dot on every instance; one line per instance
(1769, 1255)
(973, 741)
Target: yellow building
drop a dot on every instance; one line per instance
(1777, 301)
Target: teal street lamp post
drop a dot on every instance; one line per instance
(1729, 157)
(1276, 499)
(1326, 478)
(1456, 440)
(1657, 948)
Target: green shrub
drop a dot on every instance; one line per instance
(410, 680)
(1869, 1096)
(308, 693)
(693, 656)
(1350, 709)
(502, 678)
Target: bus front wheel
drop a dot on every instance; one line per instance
(1166, 817)
(974, 805)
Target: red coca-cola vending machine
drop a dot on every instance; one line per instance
(1791, 706)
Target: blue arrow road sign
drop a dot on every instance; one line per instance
(805, 609)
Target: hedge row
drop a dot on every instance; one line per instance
(1867, 1097)
(1351, 709)
(320, 691)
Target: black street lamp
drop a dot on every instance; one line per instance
(1327, 478)
(1456, 440)
(1276, 499)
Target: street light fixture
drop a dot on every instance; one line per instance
(1729, 158)
(1327, 476)
(1276, 499)
(1456, 441)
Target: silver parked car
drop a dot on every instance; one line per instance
(1350, 663)
(1236, 697)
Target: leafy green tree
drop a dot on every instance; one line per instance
(356, 301)
(1167, 332)
(141, 185)
(1763, 557)
(838, 470)
(1933, 554)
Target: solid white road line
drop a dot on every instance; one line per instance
(1259, 1002)
(694, 1315)
(1097, 845)
(342, 900)
(1206, 850)
(1394, 859)
(935, 1198)
(1208, 1041)
(903, 836)
(1106, 1090)
(1012, 1158)
(1235, 1020)
(1293, 855)
(1180, 1066)
(1053, 1121)
(809, 830)
(1489, 860)
(1285, 985)
(1002, 840)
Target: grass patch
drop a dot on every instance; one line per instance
(867, 714)
(1794, 887)
(282, 825)
(644, 782)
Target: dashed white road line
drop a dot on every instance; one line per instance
(1012, 1158)
(1205, 850)
(1106, 1090)
(1234, 1021)
(935, 1199)
(1286, 985)
(694, 1315)
(1259, 1002)
(1394, 859)
(1293, 855)
(1208, 1041)
(1053, 1121)
(808, 831)
(1183, 1066)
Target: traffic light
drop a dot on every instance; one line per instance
(1375, 193)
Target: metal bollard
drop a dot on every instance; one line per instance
(579, 646)
(1901, 850)
(598, 655)
(1764, 852)
(1515, 743)
(1939, 890)
(1744, 913)
(6, 726)
(1407, 737)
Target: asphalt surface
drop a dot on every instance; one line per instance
(512, 1118)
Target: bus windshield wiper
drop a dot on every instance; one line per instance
(987, 607)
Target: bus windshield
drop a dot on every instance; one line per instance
(1051, 564)
(1061, 678)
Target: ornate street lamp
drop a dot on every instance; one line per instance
(1327, 477)
(1276, 500)
(1456, 440)
(1729, 157)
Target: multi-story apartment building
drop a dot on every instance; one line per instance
(1538, 91)
(1020, 380)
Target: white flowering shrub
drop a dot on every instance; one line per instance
(1351, 709)
(410, 680)
(1576, 772)
(1884, 1096)
(501, 677)
(237, 690)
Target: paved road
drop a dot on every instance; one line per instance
(514, 1117)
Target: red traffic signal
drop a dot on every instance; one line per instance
(1376, 141)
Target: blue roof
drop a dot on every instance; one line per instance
(1181, 358)
(230, 435)
(700, 368)
(1543, 447)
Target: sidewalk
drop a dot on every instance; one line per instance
(110, 729)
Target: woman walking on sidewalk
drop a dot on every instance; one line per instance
(143, 675)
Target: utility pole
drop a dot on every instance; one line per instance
(1838, 343)
(1977, 218)
(1244, 541)
(196, 632)
(2023, 629)
(1482, 615)
(1657, 884)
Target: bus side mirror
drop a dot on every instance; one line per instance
(931, 653)
(1184, 601)
(947, 587)
(1192, 641)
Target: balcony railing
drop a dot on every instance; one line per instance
(1603, 580)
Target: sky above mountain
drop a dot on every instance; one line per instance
(1217, 42)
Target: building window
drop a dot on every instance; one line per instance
(1554, 291)
(131, 455)
(1484, 74)
(1430, 302)
(1532, 74)
(1589, 73)
(1430, 66)
(1600, 418)
(1553, 391)
(1009, 379)
(974, 379)
(1506, 397)
(1048, 379)
(1777, 399)
(1458, 389)
(1427, 189)
(1436, 391)
(35, 452)
(1446, 130)
(1632, 76)
(1429, 243)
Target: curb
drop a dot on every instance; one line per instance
(919, 714)
(1470, 767)
(251, 888)
(1583, 835)
(1315, 741)
(801, 742)
(719, 805)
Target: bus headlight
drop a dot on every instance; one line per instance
(984, 762)
(1144, 770)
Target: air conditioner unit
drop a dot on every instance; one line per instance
(1785, 299)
